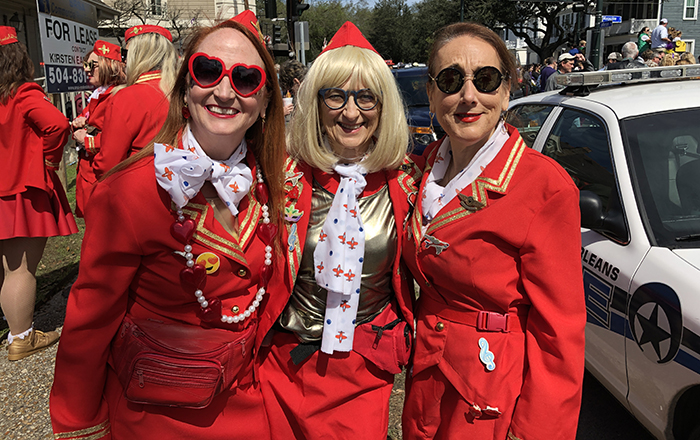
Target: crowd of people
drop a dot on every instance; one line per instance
(661, 47)
(243, 277)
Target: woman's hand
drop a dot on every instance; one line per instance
(79, 122)
(79, 135)
(288, 109)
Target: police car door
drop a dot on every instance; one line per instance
(580, 141)
(663, 345)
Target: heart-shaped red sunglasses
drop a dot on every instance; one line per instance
(207, 71)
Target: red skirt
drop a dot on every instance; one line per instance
(338, 396)
(37, 213)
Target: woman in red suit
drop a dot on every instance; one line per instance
(182, 244)
(494, 244)
(33, 205)
(329, 368)
(136, 113)
(107, 72)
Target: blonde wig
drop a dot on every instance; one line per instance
(305, 138)
(149, 52)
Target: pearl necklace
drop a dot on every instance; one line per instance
(194, 274)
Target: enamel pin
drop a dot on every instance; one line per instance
(210, 261)
(470, 203)
(431, 242)
(486, 356)
(292, 240)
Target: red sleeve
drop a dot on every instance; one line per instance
(552, 278)
(118, 133)
(49, 122)
(96, 306)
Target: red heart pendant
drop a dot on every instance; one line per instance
(265, 275)
(182, 232)
(261, 193)
(215, 304)
(193, 277)
(267, 232)
(211, 313)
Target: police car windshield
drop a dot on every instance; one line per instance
(666, 168)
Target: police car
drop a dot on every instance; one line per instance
(630, 141)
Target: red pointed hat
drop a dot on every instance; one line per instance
(248, 19)
(8, 35)
(147, 29)
(348, 35)
(108, 50)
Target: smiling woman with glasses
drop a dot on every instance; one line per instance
(494, 245)
(346, 329)
(183, 260)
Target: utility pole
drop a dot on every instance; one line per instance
(595, 52)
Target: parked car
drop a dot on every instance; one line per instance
(412, 81)
(629, 139)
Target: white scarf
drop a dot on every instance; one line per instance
(435, 196)
(338, 259)
(182, 171)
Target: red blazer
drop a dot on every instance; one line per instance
(129, 265)
(298, 188)
(514, 247)
(132, 119)
(34, 133)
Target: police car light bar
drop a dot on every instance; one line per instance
(645, 74)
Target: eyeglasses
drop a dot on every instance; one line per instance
(89, 66)
(450, 80)
(207, 71)
(336, 98)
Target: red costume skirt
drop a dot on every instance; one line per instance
(37, 213)
(324, 397)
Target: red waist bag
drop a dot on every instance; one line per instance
(385, 341)
(178, 365)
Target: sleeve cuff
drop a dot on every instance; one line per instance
(93, 433)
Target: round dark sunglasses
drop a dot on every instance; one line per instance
(89, 66)
(336, 98)
(207, 71)
(486, 80)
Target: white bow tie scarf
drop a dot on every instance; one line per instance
(182, 171)
(338, 259)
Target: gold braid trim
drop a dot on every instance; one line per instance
(143, 78)
(90, 145)
(51, 164)
(97, 432)
(512, 437)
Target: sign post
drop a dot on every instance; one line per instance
(68, 30)
(301, 30)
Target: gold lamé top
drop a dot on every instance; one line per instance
(307, 306)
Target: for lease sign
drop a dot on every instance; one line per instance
(68, 30)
